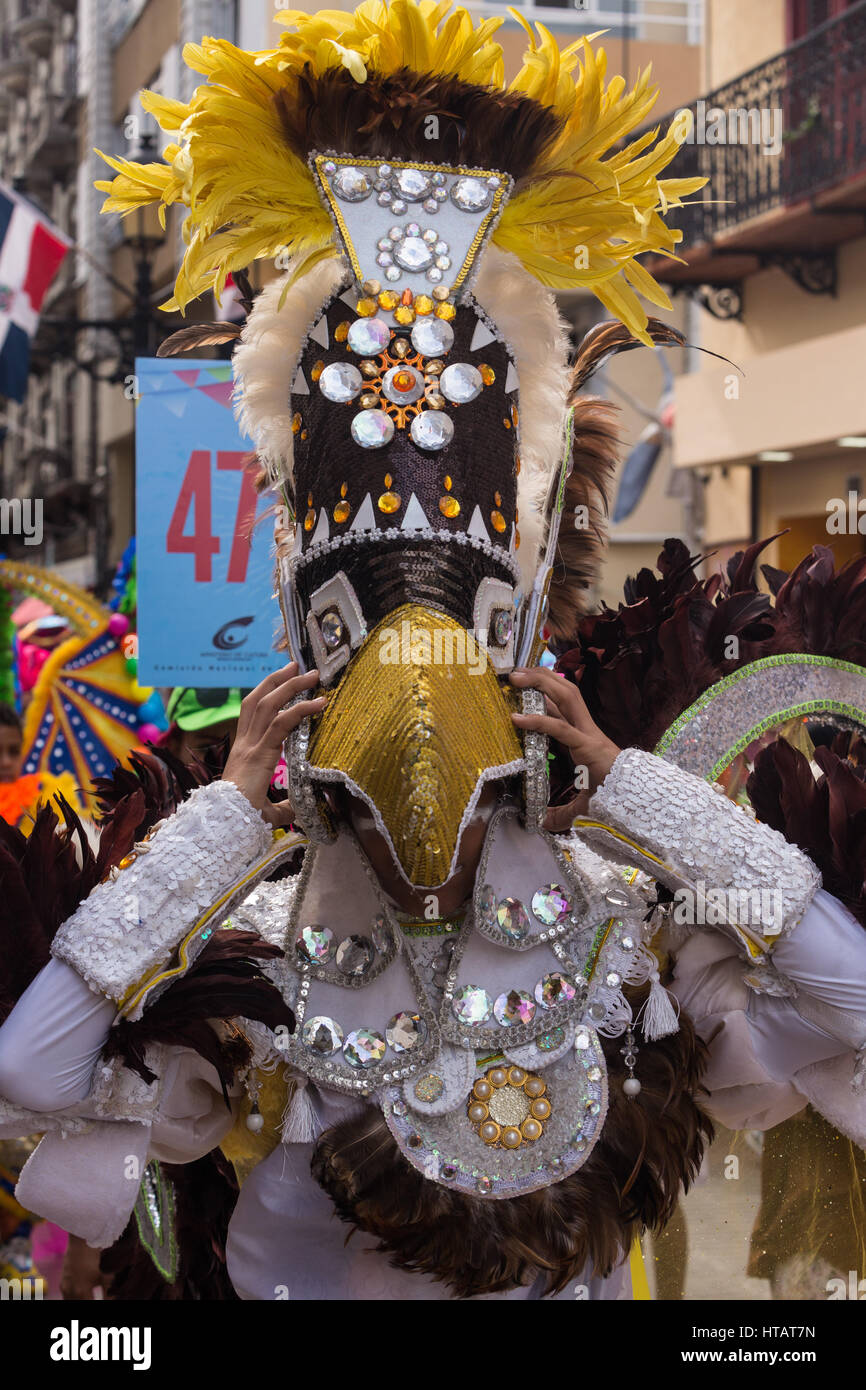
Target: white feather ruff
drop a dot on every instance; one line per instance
(267, 356)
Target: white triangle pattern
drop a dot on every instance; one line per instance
(319, 334)
(415, 520)
(366, 519)
(481, 337)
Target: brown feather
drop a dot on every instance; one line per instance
(387, 118)
(580, 550)
(198, 335)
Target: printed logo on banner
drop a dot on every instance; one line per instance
(206, 612)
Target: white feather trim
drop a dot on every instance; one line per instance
(526, 316)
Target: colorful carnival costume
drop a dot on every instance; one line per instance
(500, 1100)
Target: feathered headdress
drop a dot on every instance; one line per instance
(584, 208)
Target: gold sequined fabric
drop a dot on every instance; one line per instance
(416, 733)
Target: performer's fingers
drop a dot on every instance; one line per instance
(564, 694)
(558, 729)
(250, 702)
(276, 700)
(289, 719)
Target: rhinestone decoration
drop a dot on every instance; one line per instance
(352, 185)
(508, 1108)
(413, 253)
(364, 1048)
(340, 381)
(597, 1012)
(403, 385)
(412, 184)
(331, 626)
(549, 1042)
(581, 1040)
(627, 943)
(516, 1006)
(487, 902)
(355, 955)
(551, 905)
(322, 1035)
(315, 945)
(472, 1004)
(554, 989)
(469, 194)
(502, 628)
(432, 337)
(513, 919)
(381, 935)
(432, 430)
(483, 1184)
(405, 1031)
(372, 429)
(612, 979)
(461, 382)
(617, 898)
(429, 1088)
(368, 337)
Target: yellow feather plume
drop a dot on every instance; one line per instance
(590, 208)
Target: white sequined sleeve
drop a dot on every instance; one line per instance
(131, 926)
(729, 870)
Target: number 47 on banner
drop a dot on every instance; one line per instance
(195, 496)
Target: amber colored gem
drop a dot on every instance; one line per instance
(449, 506)
(445, 311)
(488, 376)
(344, 488)
(341, 332)
(434, 367)
(296, 423)
(441, 292)
(404, 316)
(515, 418)
(406, 297)
(403, 380)
(388, 300)
(497, 497)
(434, 399)
(507, 424)
(516, 539)
(309, 520)
(303, 434)
(399, 347)
(517, 465)
(369, 400)
(342, 512)
(497, 521)
(366, 308)
(371, 286)
(309, 499)
(388, 480)
(516, 516)
(389, 502)
(448, 482)
(317, 370)
(127, 860)
(423, 304)
(368, 368)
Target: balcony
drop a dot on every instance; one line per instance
(784, 149)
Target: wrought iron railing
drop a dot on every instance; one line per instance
(670, 21)
(809, 100)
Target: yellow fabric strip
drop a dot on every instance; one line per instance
(640, 1289)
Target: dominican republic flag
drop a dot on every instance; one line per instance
(31, 250)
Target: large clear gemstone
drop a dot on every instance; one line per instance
(372, 428)
(554, 989)
(315, 944)
(470, 195)
(502, 626)
(515, 1006)
(617, 897)
(432, 337)
(513, 919)
(355, 955)
(322, 1035)
(340, 381)
(551, 904)
(367, 337)
(405, 1031)
(413, 253)
(331, 625)
(472, 1004)
(461, 382)
(352, 185)
(403, 385)
(432, 429)
(364, 1048)
(412, 184)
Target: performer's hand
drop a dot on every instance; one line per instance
(568, 722)
(262, 726)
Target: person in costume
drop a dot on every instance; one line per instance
(200, 719)
(448, 1028)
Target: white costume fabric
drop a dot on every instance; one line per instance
(769, 1055)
